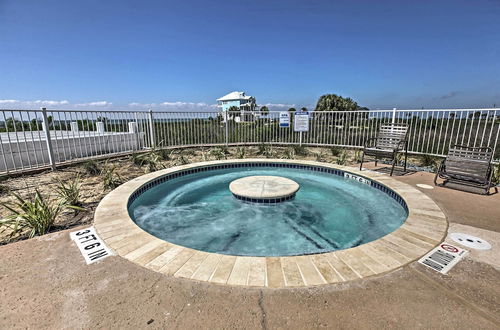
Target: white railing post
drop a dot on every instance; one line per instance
(227, 128)
(394, 115)
(46, 129)
(151, 128)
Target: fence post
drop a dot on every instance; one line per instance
(227, 128)
(46, 129)
(393, 115)
(151, 128)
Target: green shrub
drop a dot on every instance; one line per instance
(240, 152)
(205, 156)
(321, 157)
(300, 150)
(270, 152)
(188, 152)
(36, 214)
(335, 151)
(218, 153)
(267, 151)
(136, 159)
(262, 148)
(4, 189)
(182, 160)
(357, 156)
(151, 159)
(289, 153)
(110, 178)
(69, 191)
(91, 167)
(429, 161)
(342, 158)
(495, 177)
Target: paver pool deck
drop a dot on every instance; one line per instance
(45, 283)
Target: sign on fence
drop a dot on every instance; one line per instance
(284, 119)
(301, 122)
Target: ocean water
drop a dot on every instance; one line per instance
(328, 213)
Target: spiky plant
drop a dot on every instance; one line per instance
(182, 160)
(429, 161)
(91, 167)
(110, 179)
(300, 150)
(137, 159)
(4, 189)
(240, 152)
(289, 153)
(205, 156)
(321, 157)
(495, 177)
(36, 214)
(342, 158)
(151, 159)
(218, 153)
(69, 191)
(335, 151)
(357, 156)
(262, 148)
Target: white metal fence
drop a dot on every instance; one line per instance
(33, 139)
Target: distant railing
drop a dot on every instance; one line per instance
(32, 139)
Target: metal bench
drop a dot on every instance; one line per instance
(470, 166)
(390, 140)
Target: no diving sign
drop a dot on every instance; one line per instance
(443, 257)
(91, 246)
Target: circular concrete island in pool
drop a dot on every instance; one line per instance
(264, 189)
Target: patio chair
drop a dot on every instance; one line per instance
(390, 140)
(470, 166)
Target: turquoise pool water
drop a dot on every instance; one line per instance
(328, 213)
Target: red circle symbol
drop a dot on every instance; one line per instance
(449, 248)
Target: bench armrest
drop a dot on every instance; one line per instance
(401, 145)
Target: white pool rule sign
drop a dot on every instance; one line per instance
(91, 246)
(443, 257)
(284, 119)
(301, 121)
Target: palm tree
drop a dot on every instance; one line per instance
(233, 111)
(292, 110)
(264, 110)
(303, 109)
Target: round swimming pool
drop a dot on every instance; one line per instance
(330, 211)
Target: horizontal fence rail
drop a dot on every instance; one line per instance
(32, 139)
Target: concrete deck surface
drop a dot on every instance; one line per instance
(45, 284)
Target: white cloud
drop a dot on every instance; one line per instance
(94, 104)
(278, 106)
(174, 106)
(53, 104)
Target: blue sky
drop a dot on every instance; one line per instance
(185, 54)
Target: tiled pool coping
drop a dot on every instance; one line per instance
(424, 228)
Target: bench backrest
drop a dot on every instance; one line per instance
(469, 161)
(390, 135)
